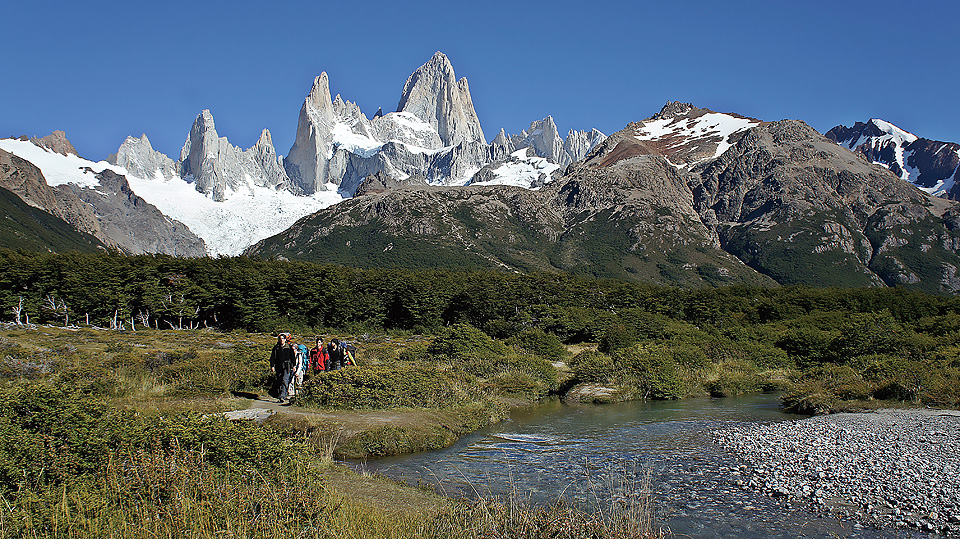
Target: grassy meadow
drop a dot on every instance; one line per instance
(118, 434)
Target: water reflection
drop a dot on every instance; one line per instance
(595, 455)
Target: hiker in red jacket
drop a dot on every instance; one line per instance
(319, 359)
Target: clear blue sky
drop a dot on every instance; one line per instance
(102, 70)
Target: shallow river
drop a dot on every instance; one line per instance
(596, 455)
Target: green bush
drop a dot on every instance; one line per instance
(414, 352)
(808, 345)
(866, 333)
(821, 389)
(542, 371)
(480, 366)
(57, 434)
(538, 342)
(243, 368)
(465, 340)
(593, 367)
(618, 336)
(735, 378)
(517, 384)
(400, 385)
(657, 373)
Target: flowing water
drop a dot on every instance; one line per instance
(598, 455)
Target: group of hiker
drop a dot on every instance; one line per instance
(290, 361)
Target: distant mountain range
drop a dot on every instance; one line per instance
(688, 196)
(931, 165)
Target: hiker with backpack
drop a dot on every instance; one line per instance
(283, 364)
(319, 359)
(349, 354)
(303, 359)
(335, 351)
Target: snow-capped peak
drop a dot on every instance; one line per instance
(690, 135)
(896, 134)
(227, 227)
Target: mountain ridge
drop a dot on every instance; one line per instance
(741, 201)
(686, 196)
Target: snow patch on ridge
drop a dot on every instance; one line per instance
(679, 131)
(361, 145)
(895, 133)
(56, 168)
(522, 171)
(226, 227)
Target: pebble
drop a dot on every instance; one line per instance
(883, 469)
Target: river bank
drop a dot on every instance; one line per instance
(885, 469)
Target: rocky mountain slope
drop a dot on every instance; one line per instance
(30, 228)
(105, 208)
(931, 165)
(688, 196)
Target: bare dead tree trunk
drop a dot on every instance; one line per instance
(144, 318)
(17, 310)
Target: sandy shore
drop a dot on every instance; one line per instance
(888, 469)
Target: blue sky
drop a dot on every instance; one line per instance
(102, 70)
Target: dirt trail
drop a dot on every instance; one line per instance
(348, 422)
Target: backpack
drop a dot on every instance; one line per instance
(349, 354)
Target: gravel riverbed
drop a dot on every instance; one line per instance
(888, 469)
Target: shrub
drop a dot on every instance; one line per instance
(62, 434)
(593, 367)
(242, 368)
(515, 383)
(400, 385)
(735, 378)
(618, 336)
(539, 368)
(821, 389)
(465, 340)
(866, 333)
(414, 352)
(538, 342)
(657, 373)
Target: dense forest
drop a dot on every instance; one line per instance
(824, 345)
(256, 295)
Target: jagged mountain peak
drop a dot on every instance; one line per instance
(56, 142)
(319, 96)
(687, 135)
(265, 141)
(439, 62)
(673, 109)
(851, 137)
(433, 94)
(893, 131)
